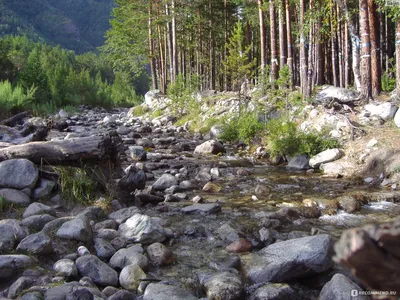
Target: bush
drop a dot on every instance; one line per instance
(285, 139)
(243, 127)
(13, 99)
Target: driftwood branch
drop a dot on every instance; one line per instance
(15, 119)
(97, 147)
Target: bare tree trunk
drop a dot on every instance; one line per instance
(212, 48)
(310, 69)
(274, 50)
(347, 56)
(398, 59)
(163, 71)
(169, 35)
(151, 52)
(282, 34)
(375, 48)
(303, 54)
(335, 69)
(289, 41)
(366, 86)
(263, 40)
(382, 34)
(174, 44)
(319, 63)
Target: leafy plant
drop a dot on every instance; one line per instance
(14, 98)
(243, 127)
(389, 77)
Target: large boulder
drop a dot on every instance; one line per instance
(37, 208)
(160, 291)
(142, 229)
(210, 147)
(18, 174)
(385, 111)
(290, 259)
(299, 162)
(36, 244)
(15, 197)
(341, 287)
(342, 95)
(92, 267)
(325, 157)
(150, 96)
(77, 229)
(165, 182)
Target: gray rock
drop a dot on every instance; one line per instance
(106, 224)
(159, 291)
(54, 224)
(299, 162)
(43, 190)
(119, 243)
(77, 229)
(18, 174)
(92, 267)
(274, 291)
(104, 250)
(208, 208)
(10, 265)
(36, 244)
(108, 234)
(65, 268)
(32, 296)
(216, 131)
(397, 118)
(210, 147)
(159, 254)
(131, 276)
(134, 179)
(18, 286)
(340, 94)
(122, 295)
(120, 216)
(165, 182)
(7, 238)
(290, 259)
(60, 292)
(15, 197)
(339, 288)
(94, 213)
(129, 256)
(227, 233)
(225, 285)
(19, 231)
(36, 223)
(80, 294)
(325, 157)
(138, 153)
(142, 229)
(151, 96)
(385, 111)
(122, 130)
(37, 208)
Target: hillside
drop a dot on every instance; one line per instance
(74, 24)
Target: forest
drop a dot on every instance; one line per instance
(350, 44)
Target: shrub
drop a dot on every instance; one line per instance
(243, 127)
(14, 98)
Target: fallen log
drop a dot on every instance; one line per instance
(15, 119)
(69, 151)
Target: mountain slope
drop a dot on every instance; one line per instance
(74, 24)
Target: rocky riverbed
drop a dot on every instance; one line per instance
(210, 222)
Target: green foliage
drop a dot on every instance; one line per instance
(13, 99)
(389, 77)
(181, 93)
(237, 64)
(139, 110)
(283, 138)
(76, 185)
(3, 204)
(243, 127)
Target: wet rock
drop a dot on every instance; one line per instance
(349, 204)
(38, 222)
(18, 286)
(325, 157)
(164, 182)
(104, 250)
(43, 190)
(243, 172)
(159, 254)
(142, 229)
(274, 291)
(138, 153)
(211, 187)
(65, 268)
(268, 236)
(129, 256)
(385, 111)
(361, 248)
(160, 291)
(299, 162)
(131, 276)
(290, 259)
(122, 295)
(37, 208)
(18, 174)
(36, 244)
(208, 208)
(227, 233)
(198, 199)
(225, 262)
(262, 189)
(225, 285)
(341, 287)
(210, 147)
(92, 267)
(296, 234)
(239, 246)
(77, 229)
(15, 197)
(186, 185)
(120, 216)
(10, 265)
